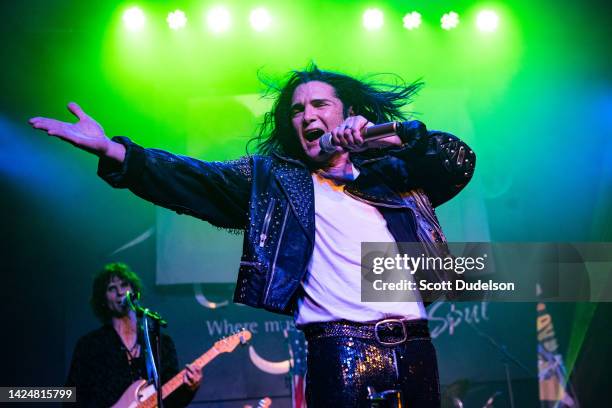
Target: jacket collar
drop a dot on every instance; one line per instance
(295, 179)
(281, 156)
(296, 182)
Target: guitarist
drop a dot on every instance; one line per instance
(108, 360)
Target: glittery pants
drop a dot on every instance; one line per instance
(340, 369)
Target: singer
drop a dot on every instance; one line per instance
(108, 360)
(305, 212)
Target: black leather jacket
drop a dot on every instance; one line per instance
(271, 198)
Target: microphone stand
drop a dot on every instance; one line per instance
(155, 359)
(506, 359)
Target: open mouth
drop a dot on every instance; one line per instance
(313, 134)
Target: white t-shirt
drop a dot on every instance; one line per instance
(332, 287)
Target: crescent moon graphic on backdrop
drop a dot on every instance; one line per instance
(270, 367)
(197, 288)
(142, 237)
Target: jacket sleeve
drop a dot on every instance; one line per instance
(436, 161)
(217, 192)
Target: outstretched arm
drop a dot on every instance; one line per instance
(217, 192)
(86, 134)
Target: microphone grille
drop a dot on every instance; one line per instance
(325, 142)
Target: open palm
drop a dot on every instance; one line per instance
(86, 134)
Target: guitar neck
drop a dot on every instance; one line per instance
(176, 381)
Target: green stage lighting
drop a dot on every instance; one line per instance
(373, 19)
(133, 19)
(219, 19)
(449, 20)
(487, 21)
(176, 19)
(412, 20)
(260, 19)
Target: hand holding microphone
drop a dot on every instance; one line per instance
(356, 134)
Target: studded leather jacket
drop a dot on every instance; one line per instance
(271, 198)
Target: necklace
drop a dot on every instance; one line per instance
(132, 354)
(131, 351)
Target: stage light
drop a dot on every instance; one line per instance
(450, 20)
(176, 19)
(260, 19)
(487, 21)
(133, 18)
(219, 19)
(373, 19)
(412, 20)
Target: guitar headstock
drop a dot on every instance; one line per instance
(228, 344)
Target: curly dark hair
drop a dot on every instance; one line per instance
(376, 101)
(103, 277)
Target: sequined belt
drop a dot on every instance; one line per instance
(388, 332)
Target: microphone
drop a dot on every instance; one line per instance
(131, 300)
(369, 134)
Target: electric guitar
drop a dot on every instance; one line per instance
(141, 395)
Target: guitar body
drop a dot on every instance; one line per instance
(135, 394)
(140, 395)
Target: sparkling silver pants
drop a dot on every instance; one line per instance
(341, 368)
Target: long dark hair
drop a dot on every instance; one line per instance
(378, 102)
(98, 289)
